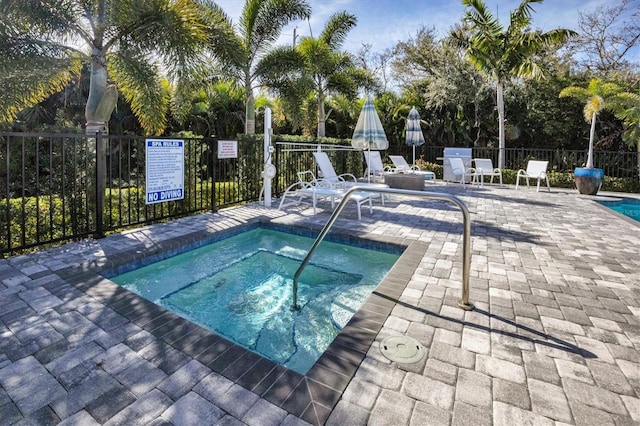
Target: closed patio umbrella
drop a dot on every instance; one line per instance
(414, 134)
(369, 133)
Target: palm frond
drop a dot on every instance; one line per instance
(31, 71)
(174, 30)
(143, 87)
(279, 64)
(594, 105)
(337, 28)
(56, 20)
(223, 41)
(268, 20)
(191, 82)
(627, 108)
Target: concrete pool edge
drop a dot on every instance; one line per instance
(310, 397)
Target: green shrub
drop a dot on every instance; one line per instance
(127, 205)
(29, 220)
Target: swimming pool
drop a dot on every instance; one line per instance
(629, 207)
(240, 288)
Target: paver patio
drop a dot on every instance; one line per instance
(554, 338)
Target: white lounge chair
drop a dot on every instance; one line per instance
(484, 167)
(308, 186)
(375, 168)
(459, 171)
(345, 180)
(535, 169)
(403, 167)
(329, 173)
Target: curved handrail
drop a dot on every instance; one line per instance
(466, 236)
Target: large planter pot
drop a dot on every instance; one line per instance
(588, 180)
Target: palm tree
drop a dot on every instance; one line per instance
(504, 53)
(626, 107)
(319, 67)
(596, 98)
(132, 48)
(260, 25)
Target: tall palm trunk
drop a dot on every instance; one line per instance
(592, 135)
(321, 116)
(321, 119)
(97, 88)
(100, 104)
(102, 96)
(501, 139)
(250, 125)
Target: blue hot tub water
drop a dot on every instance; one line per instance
(241, 288)
(629, 207)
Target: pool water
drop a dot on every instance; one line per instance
(629, 207)
(241, 288)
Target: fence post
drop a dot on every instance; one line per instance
(101, 177)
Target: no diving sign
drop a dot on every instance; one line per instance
(164, 170)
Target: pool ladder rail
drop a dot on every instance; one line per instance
(466, 236)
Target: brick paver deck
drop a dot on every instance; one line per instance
(554, 338)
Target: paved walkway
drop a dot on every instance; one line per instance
(554, 338)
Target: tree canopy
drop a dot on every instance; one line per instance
(136, 48)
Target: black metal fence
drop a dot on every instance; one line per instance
(616, 164)
(53, 187)
(293, 157)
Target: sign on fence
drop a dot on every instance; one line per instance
(165, 170)
(227, 149)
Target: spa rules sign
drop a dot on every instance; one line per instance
(165, 170)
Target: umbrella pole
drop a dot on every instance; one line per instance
(369, 167)
(414, 155)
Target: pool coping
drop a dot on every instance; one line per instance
(312, 396)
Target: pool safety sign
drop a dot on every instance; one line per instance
(227, 149)
(165, 170)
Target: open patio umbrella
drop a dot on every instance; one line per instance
(369, 133)
(414, 134)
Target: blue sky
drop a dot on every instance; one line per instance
(382, 23)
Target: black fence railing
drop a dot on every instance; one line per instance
(292, 157)
(54, 189)
(51, 191)
(616, 164)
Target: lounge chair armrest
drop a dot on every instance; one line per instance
(349, 175)
(323, 183)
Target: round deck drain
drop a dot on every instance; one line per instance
(403, 349)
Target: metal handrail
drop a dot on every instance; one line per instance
(466, 236)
